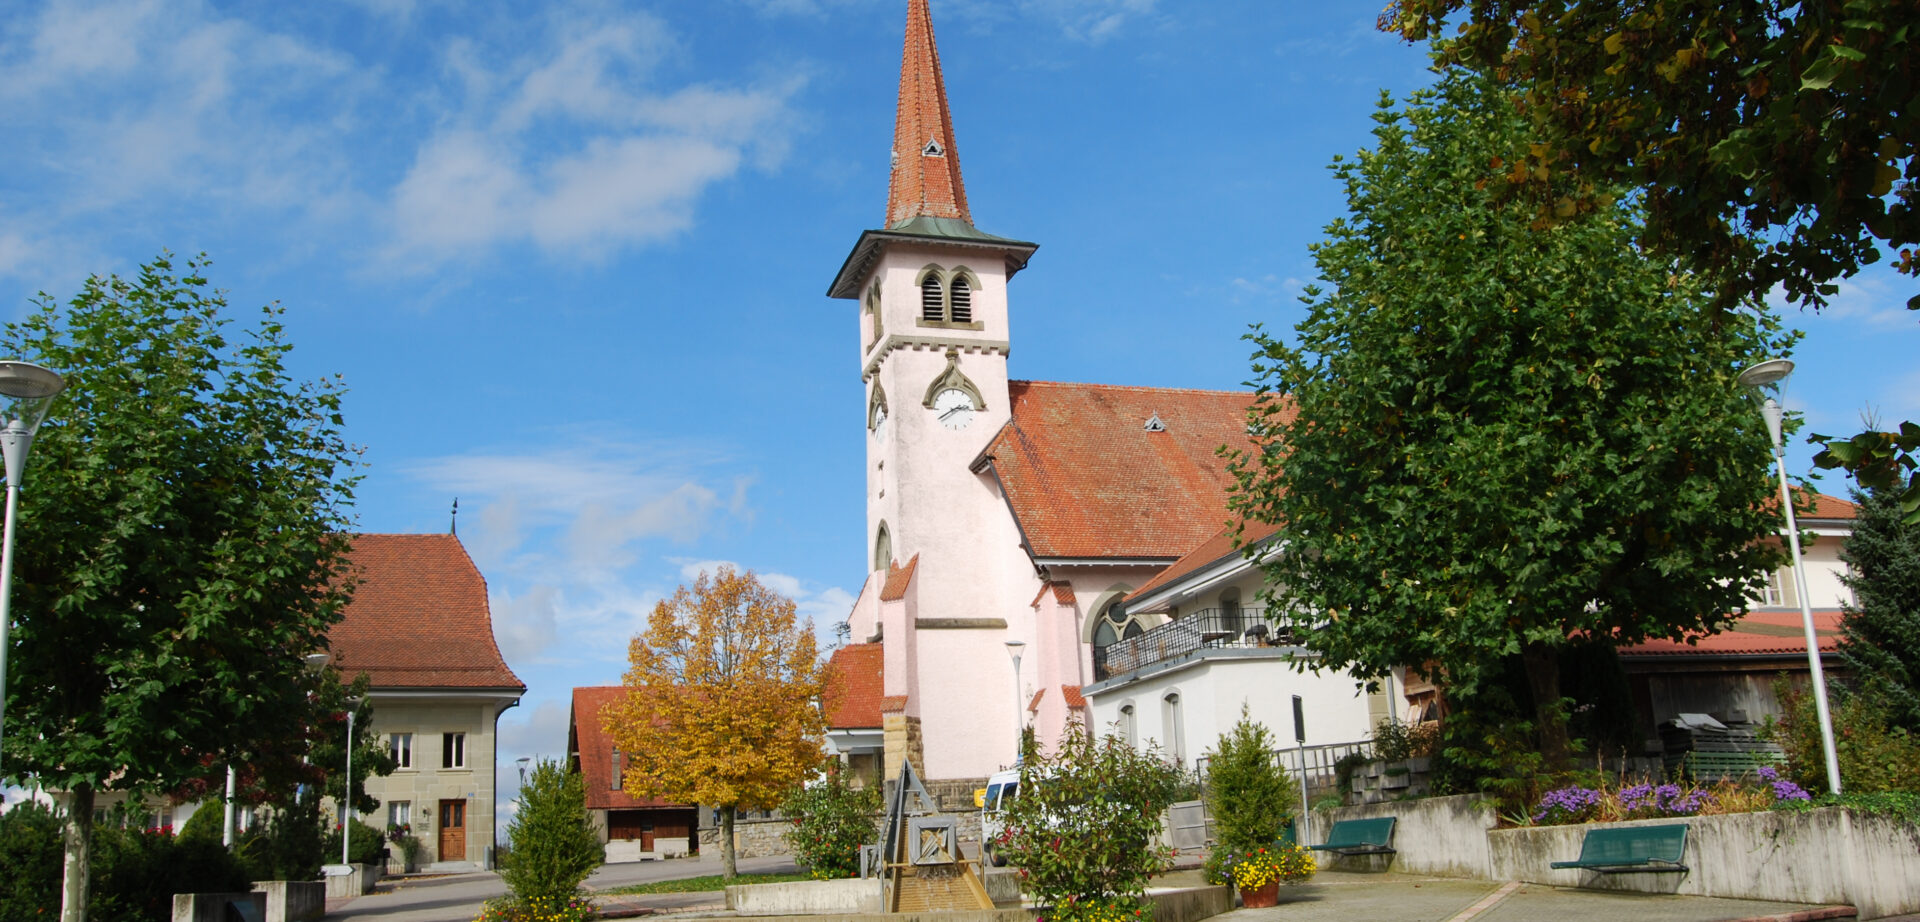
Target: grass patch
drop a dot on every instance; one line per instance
(705, 884)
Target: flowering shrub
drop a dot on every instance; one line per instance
(508, 909)
(1083, 829)
(831, 820)
(1251, 869)
(1646, 800)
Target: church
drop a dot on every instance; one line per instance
(1008, 521)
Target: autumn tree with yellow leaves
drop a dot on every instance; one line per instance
(723, 702)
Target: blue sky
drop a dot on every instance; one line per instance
(570, 256)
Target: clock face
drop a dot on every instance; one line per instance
(953, 408)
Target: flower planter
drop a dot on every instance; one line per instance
(1261, 897)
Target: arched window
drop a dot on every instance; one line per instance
(961, 299)
(1176, 729)
(873, 308)
(1116, 625)
(933, 305)
(882, 549)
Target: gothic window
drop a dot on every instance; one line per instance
(961, 299)
(932, 300)
(873, 310)
(1116, 625)
(882, 549)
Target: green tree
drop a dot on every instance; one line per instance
(723, 701)
(1880, 630)
(1083, 830)
(554, 846)
(1773, 141)
(1248, 793)
(831, 820)
(178, 551)
(1492, 439)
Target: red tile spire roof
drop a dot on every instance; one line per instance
(926, 166)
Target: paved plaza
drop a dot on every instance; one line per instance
(1332, 896)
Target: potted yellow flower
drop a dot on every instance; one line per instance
(1258, 872)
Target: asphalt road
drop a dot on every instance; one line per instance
(458, 897)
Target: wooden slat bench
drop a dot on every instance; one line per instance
(1631, 849)
(1359, 837)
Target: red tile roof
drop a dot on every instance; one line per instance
(898, 579)
(1062, 593)
(1211, 551)
(857, 686)
(893, 704)
(1760, 633)
(1085, 479)
(924, 184)
(419, 617)
(1821, 506)
(1034, 705)
(1073, 696)
(594, 748)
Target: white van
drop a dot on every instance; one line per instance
(1002, 788)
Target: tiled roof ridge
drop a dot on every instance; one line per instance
(1139, 388)
(923, 183)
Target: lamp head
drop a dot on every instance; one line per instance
(1014, 647)
(318, 661)
(1771, 371)
(28, 391)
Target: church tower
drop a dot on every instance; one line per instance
(934, 337)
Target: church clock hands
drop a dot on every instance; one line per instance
(953, 407)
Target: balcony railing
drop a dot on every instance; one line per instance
(1205, 629)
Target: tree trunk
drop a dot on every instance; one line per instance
(1543, 677)
(78, 835)
(728, 868)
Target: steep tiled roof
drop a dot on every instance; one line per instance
(1073, 696)
(1211, 551)
(898, 579)
(419, 617)
(1760, 633)
(595, 750)
(1086, 479)
(1062, 593)
(858, 686)
(926, 165)
(1822, 506)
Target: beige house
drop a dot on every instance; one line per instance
(420, 628)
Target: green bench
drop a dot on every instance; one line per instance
(1631, 849)
(1359, 837)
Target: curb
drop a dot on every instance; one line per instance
(1808, 915)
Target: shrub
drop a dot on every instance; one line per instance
(365, 846)
(831, 820)
(1396, 740)
(291, 846)
(1082, 832)
(137, 871)
(29, 863)
(509, 909)
(1248, 793)
(1874, 754)
(207, 822)
(553, 845)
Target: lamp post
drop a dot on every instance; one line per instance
(522, 761)
(28, 391)
(1764, 374)
(346, 801)
(1013, 650)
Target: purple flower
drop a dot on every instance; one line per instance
(1768, 773)
(1567, 805)
(1636, 797)
(1787, 790)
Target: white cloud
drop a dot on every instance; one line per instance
(1092, 21)
(525, 626)
(539, 731)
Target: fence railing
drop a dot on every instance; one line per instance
(1208, 628)
(1320, 762)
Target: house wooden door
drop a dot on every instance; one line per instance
(453, 830)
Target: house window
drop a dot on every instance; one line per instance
(400, 746)
(400, 815)
(453, 750)
(1126, 722)
(961, 301)
(1777, 592)
(1116, 625)
(1176, 730)
(932, 301)
(618, 780)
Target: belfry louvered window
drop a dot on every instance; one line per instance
(962, 300)
(932, 306)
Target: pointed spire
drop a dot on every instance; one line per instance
(926, 165)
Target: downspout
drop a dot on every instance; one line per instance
(493, 788)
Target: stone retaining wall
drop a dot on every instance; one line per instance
(751, 838)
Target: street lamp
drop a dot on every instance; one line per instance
(1768, 373)
(26, 393)
(346, 802)
(1013, 650)
(523, 760)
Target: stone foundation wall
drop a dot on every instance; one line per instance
(902, 736)
(751, 838)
